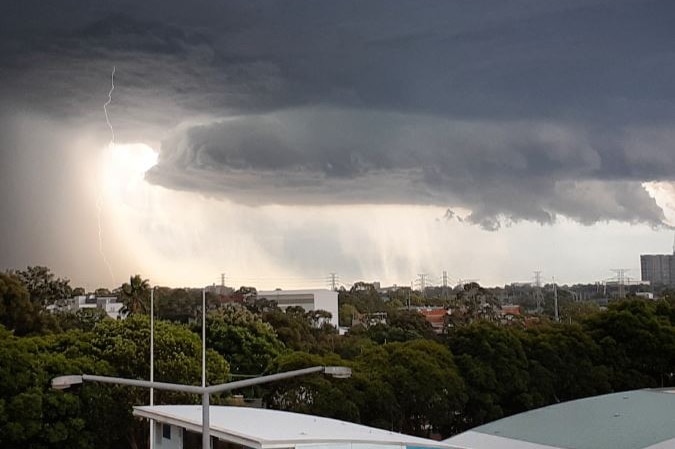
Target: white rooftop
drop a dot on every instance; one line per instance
(264, 428)
(300, 291)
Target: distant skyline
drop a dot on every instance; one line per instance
(283, 141)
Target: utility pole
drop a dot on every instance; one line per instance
(555, 301)
(410, 293)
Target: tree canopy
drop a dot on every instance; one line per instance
(405, 377)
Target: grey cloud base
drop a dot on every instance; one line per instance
(501, 171)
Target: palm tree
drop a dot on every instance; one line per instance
(135, 295)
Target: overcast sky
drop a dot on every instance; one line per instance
(277, 142)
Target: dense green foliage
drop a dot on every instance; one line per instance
(406, 377)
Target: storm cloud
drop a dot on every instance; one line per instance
(523, 110)
(501, 171)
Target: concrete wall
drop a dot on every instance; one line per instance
(168, 436)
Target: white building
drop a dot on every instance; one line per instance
(108, 304)
(321, 299)
(180, 426)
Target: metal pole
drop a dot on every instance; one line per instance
(203, 338)
(62, 382)
(152, 363)
(555, 298)
(206, 438)
(143, 384)
(205, 396)
(263, 379)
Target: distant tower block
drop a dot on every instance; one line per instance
(658, 269)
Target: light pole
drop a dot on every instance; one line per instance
(152, 363)
(63, 382)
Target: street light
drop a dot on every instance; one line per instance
(63, 382)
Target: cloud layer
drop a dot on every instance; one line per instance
(501, 171)
(524, 110)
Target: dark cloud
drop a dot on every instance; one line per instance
(512, 171)
(521, 110)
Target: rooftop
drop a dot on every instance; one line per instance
(637, 419)
(264, 428)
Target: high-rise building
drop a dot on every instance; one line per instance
(658, 269)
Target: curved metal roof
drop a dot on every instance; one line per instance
(639, 419)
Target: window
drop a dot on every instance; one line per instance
(166, 431)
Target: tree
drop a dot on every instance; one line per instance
(363, 296)
(176, 304)
(83, 319)
(247, 343)
(292, 326)
(125, 346)
(315, 394)
(31, 413)
(43, 286)
(413, 387)
(577, 311)
(494, 365)
(346, 314)
(565, 364)
(475, 303)
(17, 311)
(402, 325)
(135, 295)
(638, 344)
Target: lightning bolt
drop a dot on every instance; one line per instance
(105, 108)
(99, 198)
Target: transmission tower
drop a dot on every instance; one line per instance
(333, 281)
(445, 284)
(422, 281)
(538, 296)
(621, 280)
